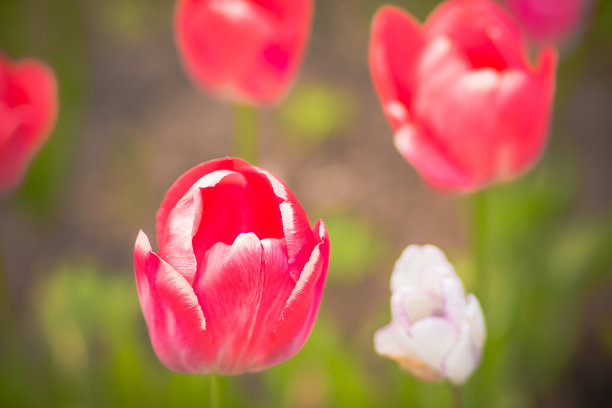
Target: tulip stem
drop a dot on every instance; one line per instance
(479, 243)
(245, 132)
(214, 392)
(455, 396)
(6, 306)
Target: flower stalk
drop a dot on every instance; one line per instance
(245, 133)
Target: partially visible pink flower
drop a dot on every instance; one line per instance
(28, 110)
(467, 107)
(436, 332)
(548, 21)
(244, 50)
(236, 283)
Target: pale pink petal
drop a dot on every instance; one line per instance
(394, 344)
(462, 359)
(476, 320)
(411, 305)
(414, 259)
(454, 298)
(433, 337)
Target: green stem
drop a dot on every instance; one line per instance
(6, 305)
(479, 244)
(245, 131)
(215, 401)
(455, 396)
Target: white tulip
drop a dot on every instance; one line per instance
(436, 331)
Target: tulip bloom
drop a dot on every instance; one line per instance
(28, 110)
(547, 21)
(237, 281)
(435, 332)
(243, 50)
(466, 106)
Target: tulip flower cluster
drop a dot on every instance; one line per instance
(236, 283)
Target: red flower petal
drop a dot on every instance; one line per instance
(176, 323)
(28, 110)
(297, 318)
(395, 43)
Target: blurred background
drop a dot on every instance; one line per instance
(131, 122)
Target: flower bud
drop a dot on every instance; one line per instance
(236, 283)
(436, 332)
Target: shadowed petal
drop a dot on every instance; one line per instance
(299, 313)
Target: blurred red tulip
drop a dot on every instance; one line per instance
(28, 110)
(467, 107)
(547, 21)
(238, 278)
(243, 50)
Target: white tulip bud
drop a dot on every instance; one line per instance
(436, 331)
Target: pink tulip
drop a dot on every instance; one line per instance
(28, 110)
(244, 50)
(238, 278)
(466, 106)
(547, 21)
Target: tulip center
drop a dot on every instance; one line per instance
(239, 203)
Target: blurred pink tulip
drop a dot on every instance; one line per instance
(243, 50)
(466, 106)
(547, 21)
(436, 331)
(28, 110)
(238, 278)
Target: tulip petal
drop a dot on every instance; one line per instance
(482, 30)
(183, 184)
(454, 298)
(392, 343)
(29, 93)
(299, 236)
(176, 323)
(415, 259)
(396, 41)
(476, 320)
(229, 286)
(410, 305)
(433, 337)
(300, 310)
(462, 359)
(277, 287)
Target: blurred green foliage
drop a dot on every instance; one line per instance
(357, 246)
(316, 111)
